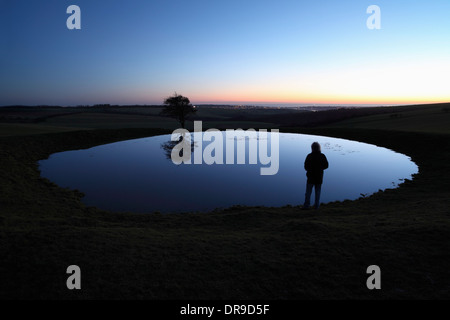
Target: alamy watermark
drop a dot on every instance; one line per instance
(374, 21)
(213, 153)
(374, 280)
(74, 20)
(74, 280)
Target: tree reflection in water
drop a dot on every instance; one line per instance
(181, 144)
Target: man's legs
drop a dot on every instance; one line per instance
(317, 188)
(309, 187)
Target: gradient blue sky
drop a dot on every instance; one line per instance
(246, 51)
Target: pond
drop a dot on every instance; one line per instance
(139, 176)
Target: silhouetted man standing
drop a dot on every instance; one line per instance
(315, 163)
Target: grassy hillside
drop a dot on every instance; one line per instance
(433, 118)
(38, 120)
(237, 253)
(31, 120)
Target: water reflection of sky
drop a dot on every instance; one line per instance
(135, 175)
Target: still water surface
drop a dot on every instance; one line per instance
(138, 175)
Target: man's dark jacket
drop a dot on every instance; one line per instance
(315, 163)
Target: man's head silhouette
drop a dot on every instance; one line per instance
(315, 147)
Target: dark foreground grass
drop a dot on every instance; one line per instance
(238, 253)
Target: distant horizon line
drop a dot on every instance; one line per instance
(267, 105)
